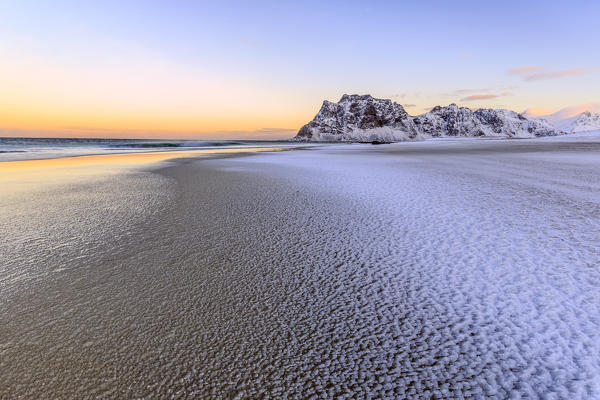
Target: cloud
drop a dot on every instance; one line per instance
(479, 97)
(409, 105)
(464, 91)
(480, 92)
(556, 74)
(578, 109)
(483, 96)
(536, 73)
(403, 95)
(566, 112)
(524, 70)
(537, 112)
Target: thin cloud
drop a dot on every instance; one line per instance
(566, 112)
(480, 91)
(525, 70)
(557, 74)
(409, 105)
(536, 73)
(404, 95)
(483, 96)
(463, 92)
(466, 91)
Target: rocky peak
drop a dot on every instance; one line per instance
(356, 117)
(365, 118)
(453, 120)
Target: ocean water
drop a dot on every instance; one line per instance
(13, 149)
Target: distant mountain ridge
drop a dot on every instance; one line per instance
(364, 118)
(586, 121)
(583, 122)
(461, 121)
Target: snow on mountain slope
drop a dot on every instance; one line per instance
(364, 118)
(581, 118)
(461, 121)
(586, 121)
(360, 118)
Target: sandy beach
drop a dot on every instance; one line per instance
(448, 269)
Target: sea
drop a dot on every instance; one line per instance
(15, 149)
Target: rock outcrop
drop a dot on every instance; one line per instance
(360, 118)
(367, 119)
(461, 121)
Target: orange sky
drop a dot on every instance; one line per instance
(243, 70)
(121, 101)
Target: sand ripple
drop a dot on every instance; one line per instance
(328, 274)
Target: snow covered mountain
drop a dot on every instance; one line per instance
(586, 121)
(360, 118)
(580, 118)
(461, 121)
(364, 118)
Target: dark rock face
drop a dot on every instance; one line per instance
(448, 121)
(366, 119)
(305, 132)
(357, 118)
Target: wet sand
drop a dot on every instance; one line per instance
(339, 272)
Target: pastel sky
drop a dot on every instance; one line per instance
(258, 69)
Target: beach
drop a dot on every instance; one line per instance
(438, 269)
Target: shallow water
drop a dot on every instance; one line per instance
(13, 149)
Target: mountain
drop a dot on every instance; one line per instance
(580, 118)
(360, 118)
(364, 118)
(586, 121)
(461, 121)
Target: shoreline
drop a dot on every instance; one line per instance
(29, 173)
(294, 144)
(206, 150)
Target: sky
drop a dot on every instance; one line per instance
(260, 70)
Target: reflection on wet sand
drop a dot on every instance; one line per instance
(25, 173)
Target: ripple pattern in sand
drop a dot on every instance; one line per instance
(316, 275)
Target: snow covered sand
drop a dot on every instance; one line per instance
(464, 268)
(442, 269)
